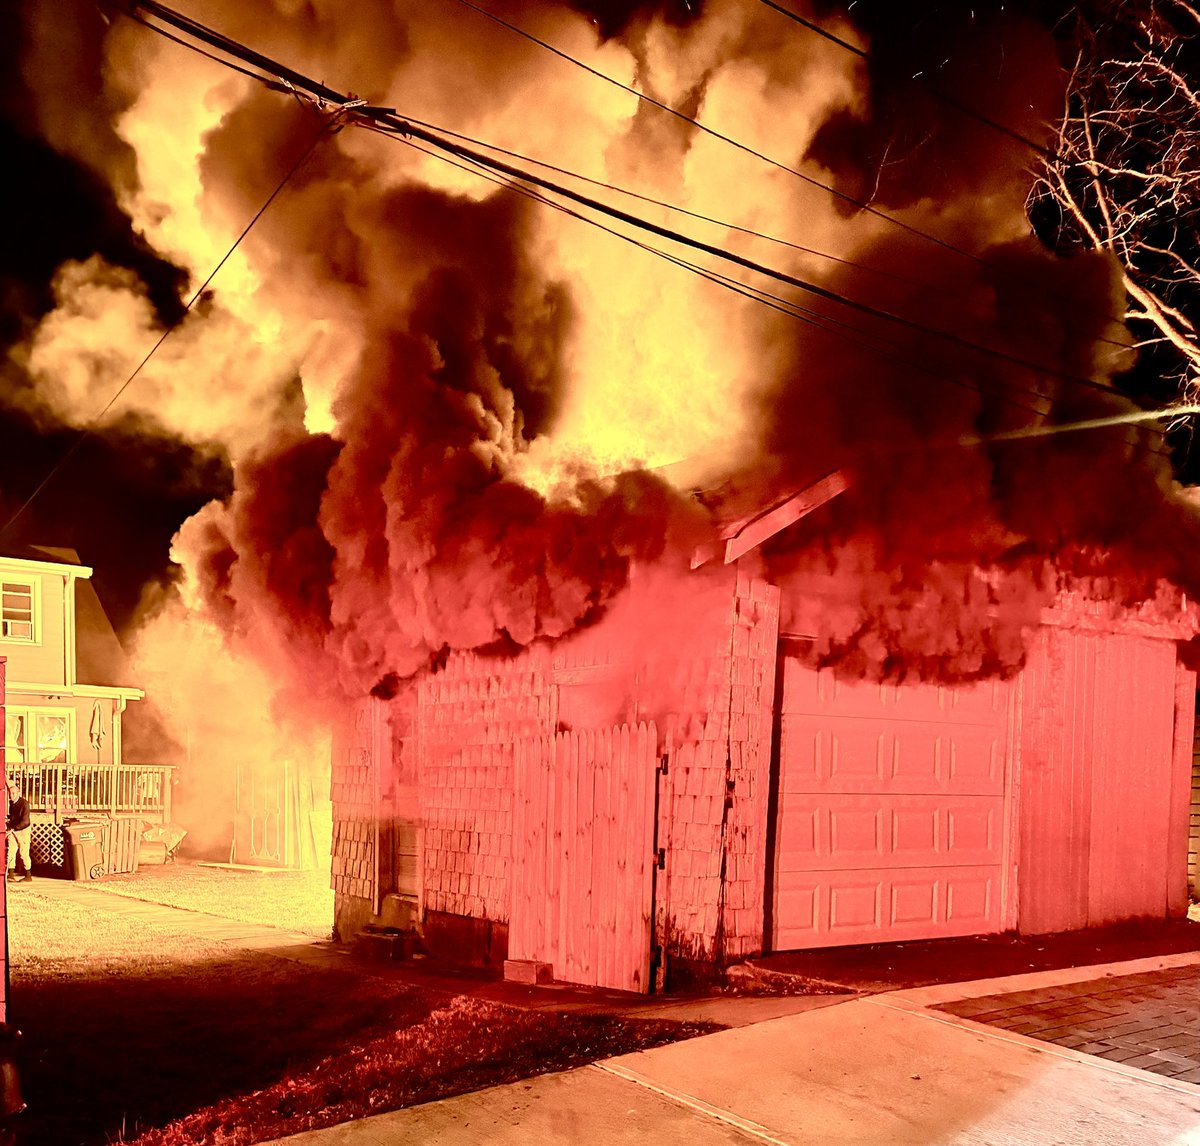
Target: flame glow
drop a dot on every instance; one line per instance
(438, 395)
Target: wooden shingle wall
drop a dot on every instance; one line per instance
(751, 705)
(473, 714)
(711, 697)
(713, 801)
(354, 787)
(1194, 824)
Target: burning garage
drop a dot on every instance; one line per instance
(683, 782)
(913, 657)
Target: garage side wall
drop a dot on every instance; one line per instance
(473, 714)
(1098, 780)
(354, 789)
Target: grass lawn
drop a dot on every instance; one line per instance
(135, 1033)
(293, 900)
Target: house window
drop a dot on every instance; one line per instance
(17, 611)
(39, 736)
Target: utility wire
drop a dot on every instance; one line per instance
(386, 119)
(296, 82)
(812, 27)
(927, 83)
(861, 204)
(701, 126)
(918, 284)
(90, 429)
(824, 323)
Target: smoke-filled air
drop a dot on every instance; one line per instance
(457, 416)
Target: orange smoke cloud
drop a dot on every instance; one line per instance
(472, 365)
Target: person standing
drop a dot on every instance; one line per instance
(19, 833)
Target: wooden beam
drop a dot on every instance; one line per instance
(779, 517)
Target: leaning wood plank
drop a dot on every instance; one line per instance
(633, 836)
(661, 879)
(607, 873)
(586, 906)
(553, 860)
(616, 828)
(647, 764)
(518, 945)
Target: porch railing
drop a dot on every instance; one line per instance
(63, 790)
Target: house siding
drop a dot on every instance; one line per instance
(81, 749)
(719, 751)
(353, 790)
(45, 661)
(477, 712)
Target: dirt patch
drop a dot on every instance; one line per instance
(892, 966)
(136, 1033)
(465, 1045)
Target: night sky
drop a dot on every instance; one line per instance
(122, 494)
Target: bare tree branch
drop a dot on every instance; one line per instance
(1124, 175)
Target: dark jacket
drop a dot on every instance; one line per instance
(18, 814)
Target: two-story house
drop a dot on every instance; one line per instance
(63, 711)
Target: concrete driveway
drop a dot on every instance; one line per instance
(869, 1071)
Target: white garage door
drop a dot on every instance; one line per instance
(890, 820)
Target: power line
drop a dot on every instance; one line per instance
(701, 126)
(928, 84)
(386, 119)
(90, 429)
(389, 121)
(866, 207)
(813, 27)
(699, 216)
(823, 323)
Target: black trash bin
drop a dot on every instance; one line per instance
(85, 841)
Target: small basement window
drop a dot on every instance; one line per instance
(17, 611)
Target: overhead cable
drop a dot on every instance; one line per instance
(90, 428)
(872, 343)
(927, 83)
(386, 119)
(866, 207)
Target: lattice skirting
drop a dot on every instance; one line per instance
(47, 846)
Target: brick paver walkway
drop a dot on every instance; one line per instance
(1150, 1021)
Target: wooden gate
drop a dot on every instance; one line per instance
(583, 868)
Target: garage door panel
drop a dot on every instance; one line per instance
(822, 755)
(890, 817)
(972, 901)
(844, 832)
(885, 906)
(976, 760)
(821, 691)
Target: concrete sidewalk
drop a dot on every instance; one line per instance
(868, 1071)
